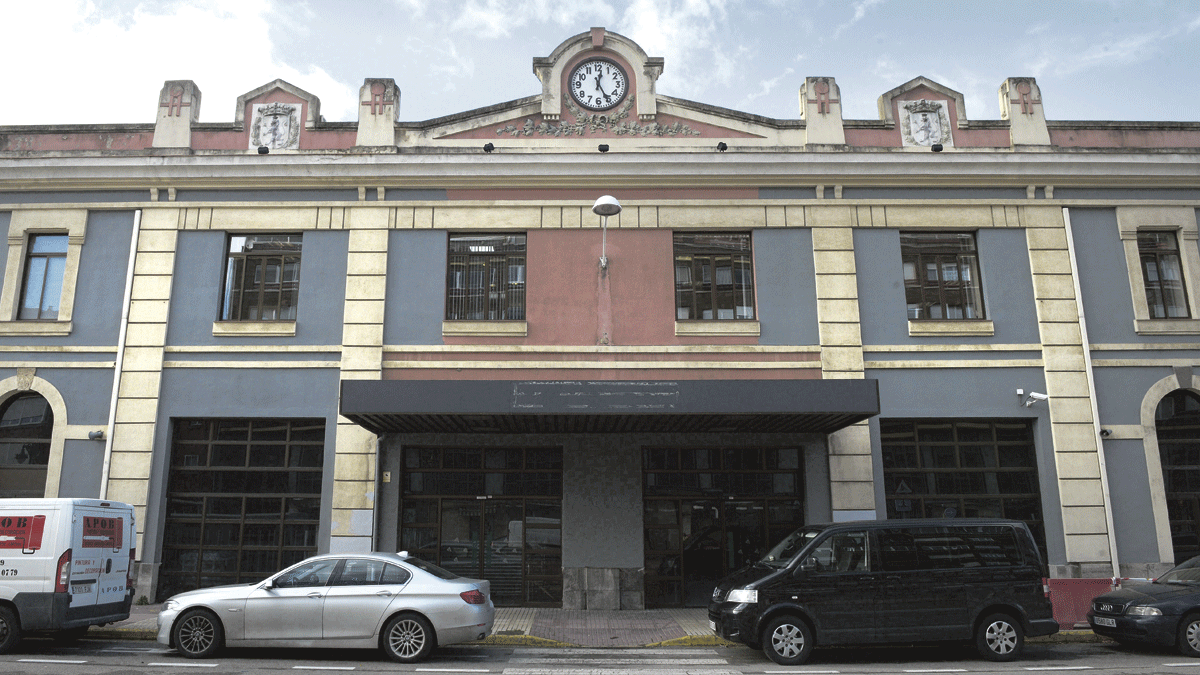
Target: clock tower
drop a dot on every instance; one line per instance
(596, 72)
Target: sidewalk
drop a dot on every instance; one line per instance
(527, 626)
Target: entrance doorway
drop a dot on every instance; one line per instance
(26, 425)
(490, 513)
(708, 512)
(1177, 423)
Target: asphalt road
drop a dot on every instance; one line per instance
(106, 657)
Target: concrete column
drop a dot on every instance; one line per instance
(851, 474)
(1076, 455)
(356, 452)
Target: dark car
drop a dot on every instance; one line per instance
(1164, 612)
(896, 581)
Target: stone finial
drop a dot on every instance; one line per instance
(378, 110)
(178, 109)
(1021, 105)
(821, 110)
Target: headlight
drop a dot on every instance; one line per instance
(1142, 610)
(744, 595)
(170, 605)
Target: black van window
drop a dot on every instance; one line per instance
(965, 547)
(842, 552)
(898, 550)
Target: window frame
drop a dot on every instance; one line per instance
(261, 285)
(966, 262)
(23, 226)
(744, 288)
(1180, 221)
(514, 302)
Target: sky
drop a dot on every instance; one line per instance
(105, 61)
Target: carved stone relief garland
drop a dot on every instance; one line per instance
(590, 123)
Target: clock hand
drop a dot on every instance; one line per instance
(600, 86)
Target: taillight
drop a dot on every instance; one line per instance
(63, 573)
(473, 597)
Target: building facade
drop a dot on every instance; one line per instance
(279, 335)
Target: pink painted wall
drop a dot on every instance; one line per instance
(64, 141)
(1083, 137)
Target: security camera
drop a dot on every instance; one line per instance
(1034, 397)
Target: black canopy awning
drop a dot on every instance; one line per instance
(607, 406)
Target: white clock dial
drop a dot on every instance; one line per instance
(598, 84)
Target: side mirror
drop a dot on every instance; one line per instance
(809, 564)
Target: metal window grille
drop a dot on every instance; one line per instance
(485, 277)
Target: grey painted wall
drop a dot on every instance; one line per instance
(416, 287)
(983, 393)
(1007, 288)
(197, 287)
(1103, 277)
(786, 294)
(240, 393)
(100, 285)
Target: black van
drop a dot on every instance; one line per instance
(889, 581)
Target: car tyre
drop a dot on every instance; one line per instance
(10, 630)
(999, 637)
(787, 640)
(198, 634)
(1189, 636)
(407, 638)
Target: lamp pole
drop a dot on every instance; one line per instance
(604, 207)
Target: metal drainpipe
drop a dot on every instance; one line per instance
(1091, 379)
(120, 362)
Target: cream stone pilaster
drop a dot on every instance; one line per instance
(821, 110)
(1021, 105)
(355, 460)
(142, 363)
(851, 476)
(1076, 451)
(379, 107)
(178, 110)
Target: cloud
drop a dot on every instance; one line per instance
(860, 12)
(222, 45)
(494, 19)
(686, 34)
(765, 87)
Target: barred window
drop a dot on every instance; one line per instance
(485, 277)
(941, 275)
(262, 278)
(714, 280)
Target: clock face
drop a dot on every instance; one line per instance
(598, 84)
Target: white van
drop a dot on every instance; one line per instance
(65, 564)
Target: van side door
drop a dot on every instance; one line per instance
(836, 582)
(923, 593)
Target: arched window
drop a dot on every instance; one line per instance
(1177, 421)
(26, 424)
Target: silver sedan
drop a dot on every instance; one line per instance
(402, 605)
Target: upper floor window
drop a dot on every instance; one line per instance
(262, 278)
(1162, 272)
(713, 276)
(941, 275)
(45, 266)
(485, 277)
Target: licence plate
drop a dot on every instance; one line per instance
(1105, 621)
(712, 625)
(81, 588)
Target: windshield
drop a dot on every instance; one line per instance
(1184, 573)
(784, 551)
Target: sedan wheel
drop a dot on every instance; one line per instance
(407, 638)
(1189, 635)
(999, 638)
(787, 641)
(198, 634)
